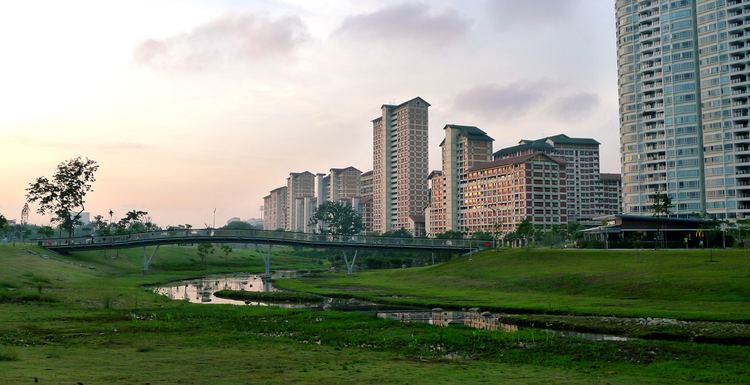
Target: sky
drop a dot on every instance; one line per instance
(190, 106)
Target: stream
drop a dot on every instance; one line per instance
(202, 290)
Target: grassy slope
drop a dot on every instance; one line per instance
(103, 328)
(675, 284)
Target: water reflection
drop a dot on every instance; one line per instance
(202, 290)
(439, 317)
(477, 319)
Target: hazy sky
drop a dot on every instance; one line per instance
(194, 105)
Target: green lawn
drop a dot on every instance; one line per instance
(87, 318)
(674, 284)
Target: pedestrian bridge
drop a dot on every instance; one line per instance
(182, 236)
(347, 243)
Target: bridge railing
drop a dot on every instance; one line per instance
(241, 236)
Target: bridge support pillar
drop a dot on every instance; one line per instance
(350, 266)
(147, 258)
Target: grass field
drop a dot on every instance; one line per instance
(673, 284)
(87, 318)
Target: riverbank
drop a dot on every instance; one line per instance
(98, 325)
(673, 295)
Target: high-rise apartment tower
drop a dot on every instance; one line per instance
(400, 164)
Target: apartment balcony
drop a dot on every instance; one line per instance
(653, 138)
(655, 147)
(652, 86)
(652, 106)
(654, 126)
(736, 57)
(651, 64)
(652, 96)
(735, 12)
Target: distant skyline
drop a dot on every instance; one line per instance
(194, 105)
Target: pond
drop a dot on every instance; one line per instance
(202, 290)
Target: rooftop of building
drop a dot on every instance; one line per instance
(279, 188)
(367, 173)
(471, 132)
(434, 173)
(418, 98)
(512, 160)
(563, 139)
(610, 176)
(543, 144)
(301, 173)
(345, 169)
(540, 146)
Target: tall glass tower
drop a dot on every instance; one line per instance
(724, 44)
(660, 118)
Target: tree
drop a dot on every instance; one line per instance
(450, 234)
(101, 227)
(573, 230)
(337, 218)
(662, 205)
(239, 225)
(525, 231)
(204, 250)
(3, 224)
(661, 208)
(226, 249)
(133, 221)
(401, 233)
(63, 195)
(45, 231)
(482, 236)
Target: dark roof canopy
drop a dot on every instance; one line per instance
(514, 160)
(536, 145)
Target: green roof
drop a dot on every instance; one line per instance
(538, 145)
(471, 132)
(543, 144)
(564, 139)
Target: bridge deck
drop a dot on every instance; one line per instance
(258, 237)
